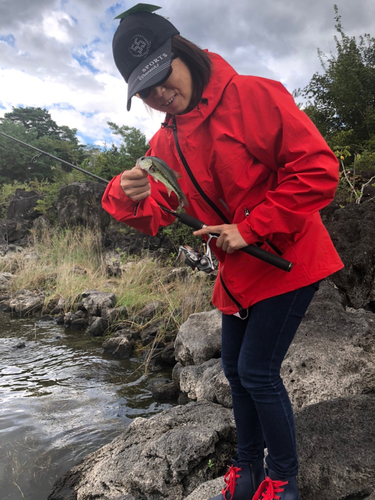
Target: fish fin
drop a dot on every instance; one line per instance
(177, 174)
(184, 202)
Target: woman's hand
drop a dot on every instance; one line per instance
(135, 184)
(230, 238)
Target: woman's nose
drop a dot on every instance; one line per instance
(158, 91)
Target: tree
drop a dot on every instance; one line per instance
(35, 126)
(134, 143)
(37, 119)
(109, 162)
(343, 97)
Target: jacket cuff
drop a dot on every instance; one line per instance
(248, 234)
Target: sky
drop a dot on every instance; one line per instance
(57, 54)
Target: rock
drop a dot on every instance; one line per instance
(332, 354)
(97, 303)
(336, 444)
(133, 242)
(207, 490)
(113, 263)
(4, 281)
(154, 360)
(15, 231)
(55, 306)
(204, 382)
(79, 204)
(199, 338)
(26, 303)
(115, 315)
(164, 390)
(98, 327)
(149, 333)
(168, 356)
(76, 321)
(352, 230)
(20, 345)
(178, 274)
(163, 457)
(120, 345)
(23, 205)
(149, 311)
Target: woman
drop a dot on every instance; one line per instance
(257, 171)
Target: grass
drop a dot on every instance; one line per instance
(65, 263)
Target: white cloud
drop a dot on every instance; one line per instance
(57, 54)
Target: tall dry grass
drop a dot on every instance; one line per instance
(66, 262)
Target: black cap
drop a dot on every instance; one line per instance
(142, 50)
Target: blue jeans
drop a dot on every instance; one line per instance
(252, 353)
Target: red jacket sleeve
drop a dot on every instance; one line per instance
(284, 139)
(146, 215)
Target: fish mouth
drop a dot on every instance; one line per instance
(170, 100)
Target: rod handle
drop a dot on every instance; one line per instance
(254, 250)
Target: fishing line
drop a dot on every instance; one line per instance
(55, 158)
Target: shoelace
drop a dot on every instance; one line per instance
(268, 489)
(230, 479)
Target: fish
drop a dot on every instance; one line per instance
(160, 171)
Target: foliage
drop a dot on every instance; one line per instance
(343, 97)
(341, 103)
(180, 234)
(35, 126)
(110, 161)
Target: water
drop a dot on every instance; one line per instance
(61, 398)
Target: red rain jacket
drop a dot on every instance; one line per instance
(247, 156)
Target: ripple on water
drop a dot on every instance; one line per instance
(61, 399)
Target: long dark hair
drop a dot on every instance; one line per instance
(198, 62)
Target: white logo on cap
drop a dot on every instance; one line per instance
(140, 46)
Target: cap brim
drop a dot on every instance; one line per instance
(151, 71)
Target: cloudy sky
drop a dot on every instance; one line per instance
(56, 54)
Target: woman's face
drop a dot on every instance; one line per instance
(174, 95)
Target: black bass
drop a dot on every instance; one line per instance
(161, 172)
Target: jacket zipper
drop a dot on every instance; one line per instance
(207, 200)
(214, 207)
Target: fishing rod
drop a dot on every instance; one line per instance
(193, 259)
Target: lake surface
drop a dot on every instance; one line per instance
(61, 398)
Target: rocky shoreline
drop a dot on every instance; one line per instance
(329, 372)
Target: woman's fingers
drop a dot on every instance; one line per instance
(135, 184)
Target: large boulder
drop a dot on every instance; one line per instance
(352, 230)
(14, 231)
(332, 354)
(23, 205)
(79, 203)
(204, 382)
(163, 457)
(26, 303)
(199, 338)
(336, 445)
(97, 303)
